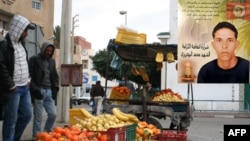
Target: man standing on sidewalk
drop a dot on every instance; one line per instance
(14, 80)
(44, 86)
(97, 92)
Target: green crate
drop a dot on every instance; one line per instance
(131, 132)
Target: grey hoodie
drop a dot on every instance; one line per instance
(44, 45)
(17, 25)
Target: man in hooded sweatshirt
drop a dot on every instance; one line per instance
(14, 80)
(44, 86)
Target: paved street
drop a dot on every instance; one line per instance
(205, 127)
(211, 129)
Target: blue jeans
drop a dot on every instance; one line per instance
(17, 114)
(93, 107)
(48, 104)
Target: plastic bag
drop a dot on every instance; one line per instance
(116, 62)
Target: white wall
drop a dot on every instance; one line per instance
(92, 73)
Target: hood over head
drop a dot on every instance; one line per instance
(45, 45)
(18, 24)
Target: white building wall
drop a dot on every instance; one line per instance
(173, 19)
(92, 73)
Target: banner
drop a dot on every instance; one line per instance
(196, 20)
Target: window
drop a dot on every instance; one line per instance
(74, 49)
(5, 25)
(94, 78)
(85, 64)
(36, 5)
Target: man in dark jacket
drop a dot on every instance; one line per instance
(44, 86)
(97, 92)
(14, 80)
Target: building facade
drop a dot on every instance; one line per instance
(39, 12)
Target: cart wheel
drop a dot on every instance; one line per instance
(154, 122)
(172, 126)
(178, 127)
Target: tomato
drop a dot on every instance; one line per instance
(39, 136)
(61, 139)
(45, 136)
(90, 134)
(74, 138)
(94, 139)
(98, 135)
(68, 135)
(76, 129)
(59, 130)
(83, 135)
(55, 134)
(103, 138)
(52, 139)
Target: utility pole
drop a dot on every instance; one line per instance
(74, 20)
(65, 58)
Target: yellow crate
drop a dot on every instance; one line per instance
(127, 37)
(73, 114)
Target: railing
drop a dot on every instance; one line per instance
(222, 105)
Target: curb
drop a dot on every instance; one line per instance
(224, 116)
(221, 115)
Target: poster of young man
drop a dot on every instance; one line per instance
(213, 41)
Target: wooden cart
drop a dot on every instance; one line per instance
(180, 113)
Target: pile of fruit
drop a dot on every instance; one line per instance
(167, 95)
(123, 90)
(93, 128)
(120, 93)
(70, 133)
(105, 121)
(146, 130)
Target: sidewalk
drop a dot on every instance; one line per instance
(27, 135)
(222, 114)
(28, 131)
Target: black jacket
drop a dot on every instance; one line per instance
(97, 90)
(36, 70)
(6, 70)
(7, 66)
(7, 59)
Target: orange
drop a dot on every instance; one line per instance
(39, 136)
(139, 131)
(151, 126)
(59, 130)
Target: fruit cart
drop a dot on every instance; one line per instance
(180, 113)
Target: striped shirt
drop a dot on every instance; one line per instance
(21, 73)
